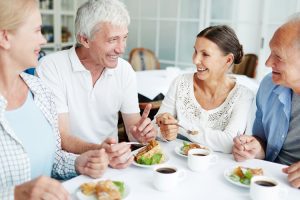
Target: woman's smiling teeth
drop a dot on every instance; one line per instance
(201, 69)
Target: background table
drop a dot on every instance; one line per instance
(151, 83)
(208, 185)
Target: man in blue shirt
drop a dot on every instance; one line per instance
(276, 129)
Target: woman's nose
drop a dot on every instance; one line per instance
(197, 60)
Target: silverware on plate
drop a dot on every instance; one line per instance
(191, 132)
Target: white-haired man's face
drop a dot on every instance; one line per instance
(108, 44)
(285, 57)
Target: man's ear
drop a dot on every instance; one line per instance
(84, 41)
(4, 39)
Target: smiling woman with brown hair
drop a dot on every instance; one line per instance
(209, 100)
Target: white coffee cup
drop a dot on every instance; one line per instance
(263, 187)
(200, 160)
(167, 177)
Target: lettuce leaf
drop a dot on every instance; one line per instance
(120, 186)
(155, 159)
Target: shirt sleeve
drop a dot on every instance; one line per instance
(7, 193)
(64, 162)
(222, 141)
(130, 102)
(48, 72)
(64, 165)
(258, 129)
(169, 103)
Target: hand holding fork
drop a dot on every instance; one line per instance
(239, 138)
(169, 126)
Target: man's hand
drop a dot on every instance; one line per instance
(167, 124)
(119, 153)
(247, 147)
(92, 163)
(293, 173)
(41, 188)
(144, 130)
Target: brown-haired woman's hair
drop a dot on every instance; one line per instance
(13, 13)
(225, 38)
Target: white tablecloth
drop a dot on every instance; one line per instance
(153, 82)
(208, 185)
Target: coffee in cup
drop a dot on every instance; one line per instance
(262, 188)
(166, 170)
(201, 159)
(167, 177)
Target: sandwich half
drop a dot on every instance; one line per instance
(150, 154)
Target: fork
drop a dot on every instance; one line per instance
(187, 130)
(239, 137)
(136, 143)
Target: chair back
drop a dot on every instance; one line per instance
(247, 66)
(143, 59)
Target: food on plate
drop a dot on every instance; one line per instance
(104, 190)
(188, 146)
(150, 155)
(88, 188)
(244, 174)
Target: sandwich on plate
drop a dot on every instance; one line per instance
(244, 174)
(104, 190)
(151, 154)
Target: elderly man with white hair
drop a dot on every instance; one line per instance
(92, 84)
(276, 129)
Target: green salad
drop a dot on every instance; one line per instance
(244, 175)
(155, 159)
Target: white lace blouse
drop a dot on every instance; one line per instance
(216, 127)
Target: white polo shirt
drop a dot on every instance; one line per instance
(93, 111)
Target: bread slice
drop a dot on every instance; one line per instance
(148, 151)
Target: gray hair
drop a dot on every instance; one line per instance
(294, 22)
(95, 12)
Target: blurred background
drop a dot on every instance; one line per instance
(168, 27)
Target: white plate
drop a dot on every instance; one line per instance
(227, 174)
(82, 196)
(178, 151)
(148, 166)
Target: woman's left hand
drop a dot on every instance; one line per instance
(92, 163)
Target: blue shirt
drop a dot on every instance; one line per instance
(272, 116)
(36, 135)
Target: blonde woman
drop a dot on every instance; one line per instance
(30, 147)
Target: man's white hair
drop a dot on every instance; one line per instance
(294, 22)
(95, 12)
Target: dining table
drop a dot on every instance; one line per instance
(213, 183)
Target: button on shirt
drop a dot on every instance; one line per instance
(272, 116)
(93, 110)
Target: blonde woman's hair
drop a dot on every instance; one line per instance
(13, 13)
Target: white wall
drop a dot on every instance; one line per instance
(169, 27)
